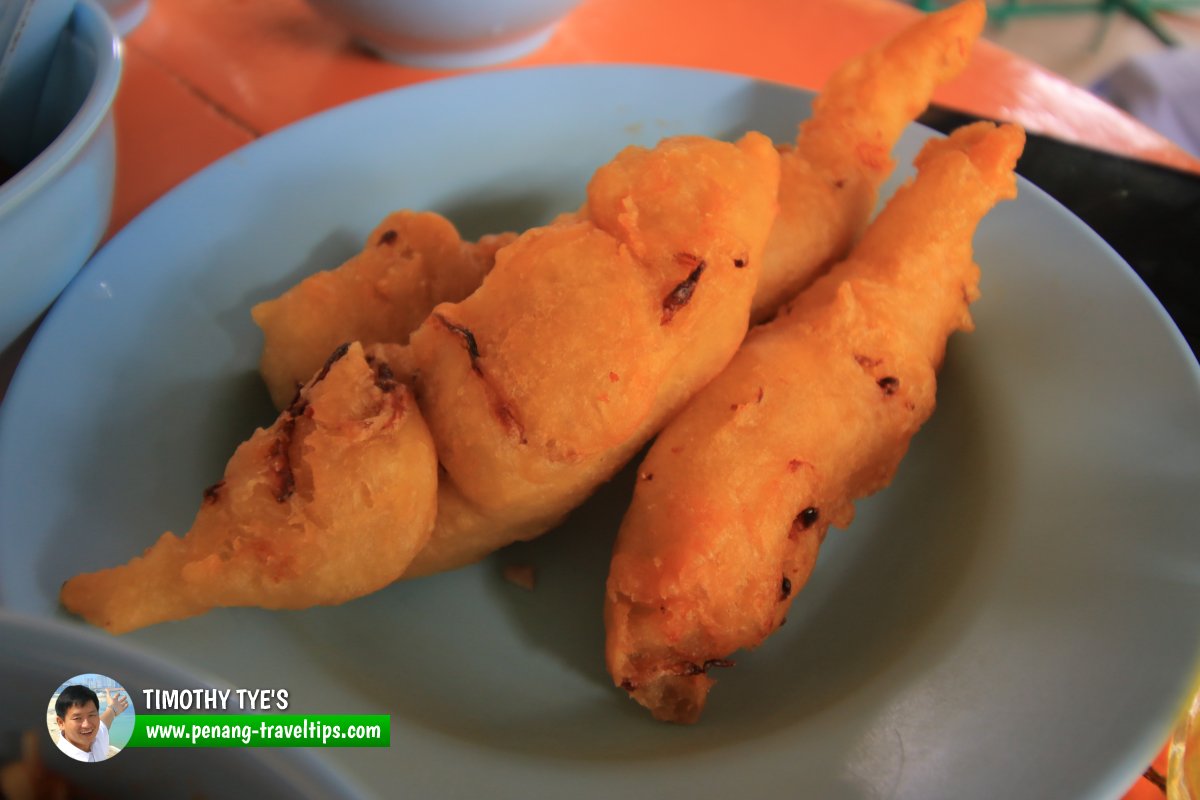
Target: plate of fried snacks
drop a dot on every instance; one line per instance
(583, 420)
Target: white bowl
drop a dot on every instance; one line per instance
(448, 34)
(54, 211)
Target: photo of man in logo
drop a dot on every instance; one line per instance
(84, 719)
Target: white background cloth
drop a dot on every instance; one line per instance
(1162, 90)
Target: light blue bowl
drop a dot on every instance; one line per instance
(450, 34)
(55, 210)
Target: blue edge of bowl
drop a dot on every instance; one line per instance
(91, 24)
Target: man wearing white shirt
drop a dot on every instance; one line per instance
(83, 730)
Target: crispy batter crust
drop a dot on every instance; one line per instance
(306, 513)
(815, 411)
(411, 262)
(830, 180)
(587, 335)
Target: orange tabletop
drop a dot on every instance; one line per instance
(203, 77)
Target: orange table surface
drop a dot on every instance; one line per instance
(203, 77)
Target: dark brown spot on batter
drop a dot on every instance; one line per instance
(866, 362)
(807, 518)
(213, 493)
(889, 384)
(296, 396)
(500, 407)
(334, 357)
(508, 419)
(298, 406)
(688, 668)
(467, 337)
(681, 294)
(385, 379)
(280, 460)
(785, 588)
(387, 237)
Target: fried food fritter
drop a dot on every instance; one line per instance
(411, 262)
(815, 411)
(832, 176)
(829, 181)
(587, 335)
(828, 187)
(633, 309)
(329, 503)
(541, 384)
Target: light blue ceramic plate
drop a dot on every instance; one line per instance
(1015, 616)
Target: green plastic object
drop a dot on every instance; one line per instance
(1144, 11)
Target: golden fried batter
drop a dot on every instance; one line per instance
(815, 411)
(587, 335)
(308, 512)
(829, 181)
(633, 309)
(828, 185)
(832, 175)
(411, 262)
